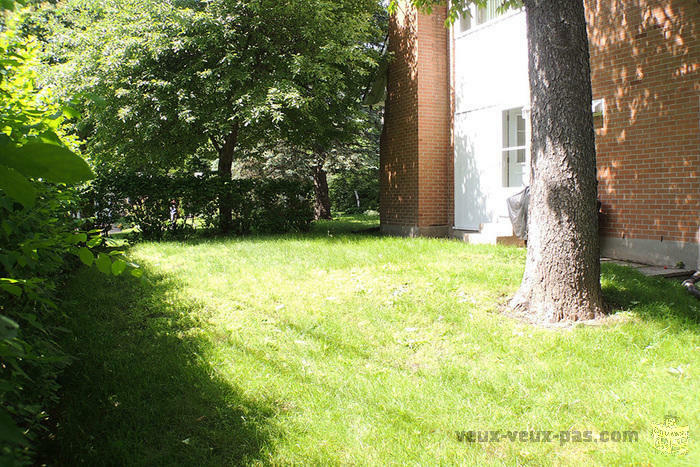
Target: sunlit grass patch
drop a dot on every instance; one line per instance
(333, 347)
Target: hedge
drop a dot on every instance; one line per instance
(259, 206)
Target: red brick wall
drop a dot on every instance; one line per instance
(416, 153)
(434, 121)
(645, 62)
(398, 199)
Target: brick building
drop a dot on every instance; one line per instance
(455, 144)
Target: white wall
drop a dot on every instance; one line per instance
(490, 76)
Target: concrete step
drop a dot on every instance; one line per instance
(491, 233)
(479, 238)
(499, 229)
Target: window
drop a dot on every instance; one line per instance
(465, 23)
(488, 12)
(514, 147)
(480, 15)
(598, 109)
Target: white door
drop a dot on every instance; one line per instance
(515, 158)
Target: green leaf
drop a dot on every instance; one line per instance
(7, 5)
(70, 112)
(8, 328)
(12, 289)
(95, 98)
(94, 241)
(104, 264)
(17, 187)
(118, 267)
(48, 161)
(50, 137)
(9, 432)
(79, 238)
(86, 256)
(137, 272)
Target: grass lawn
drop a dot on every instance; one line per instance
(341, 348)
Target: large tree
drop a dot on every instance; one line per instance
(181, 77)
(562, 271)
(176, 76)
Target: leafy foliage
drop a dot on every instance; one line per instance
(259, 205)
(349, 187)
(38, 240)
(30, 141)
(351, 165)
(178, 76)
(456, 8)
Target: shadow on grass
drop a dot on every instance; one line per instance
(350, 224)
(356, 227)
(140, 391)
(650, 298)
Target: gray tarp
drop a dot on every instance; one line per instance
(517, 210)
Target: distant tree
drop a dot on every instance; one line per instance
(336, 72)
(358, 154)
(562, 272)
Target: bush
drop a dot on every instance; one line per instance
(259, 206)
(342, 189)
(32, 257)
(39, 241)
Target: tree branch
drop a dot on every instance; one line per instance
(214, 143)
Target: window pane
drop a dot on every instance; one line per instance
(521, 130)
(465, 23)
(488, 12)
(514, 133)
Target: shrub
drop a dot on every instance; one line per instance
(39, 241)
(259, 206)
(35, 243)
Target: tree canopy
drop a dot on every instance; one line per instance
(216, 80)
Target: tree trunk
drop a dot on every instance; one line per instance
(226, 152)
(322, 200)
(562, 272)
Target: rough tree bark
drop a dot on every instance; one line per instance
(322, 200)
(226, 152)
(562, 272)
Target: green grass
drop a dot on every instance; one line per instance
(341, 348)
